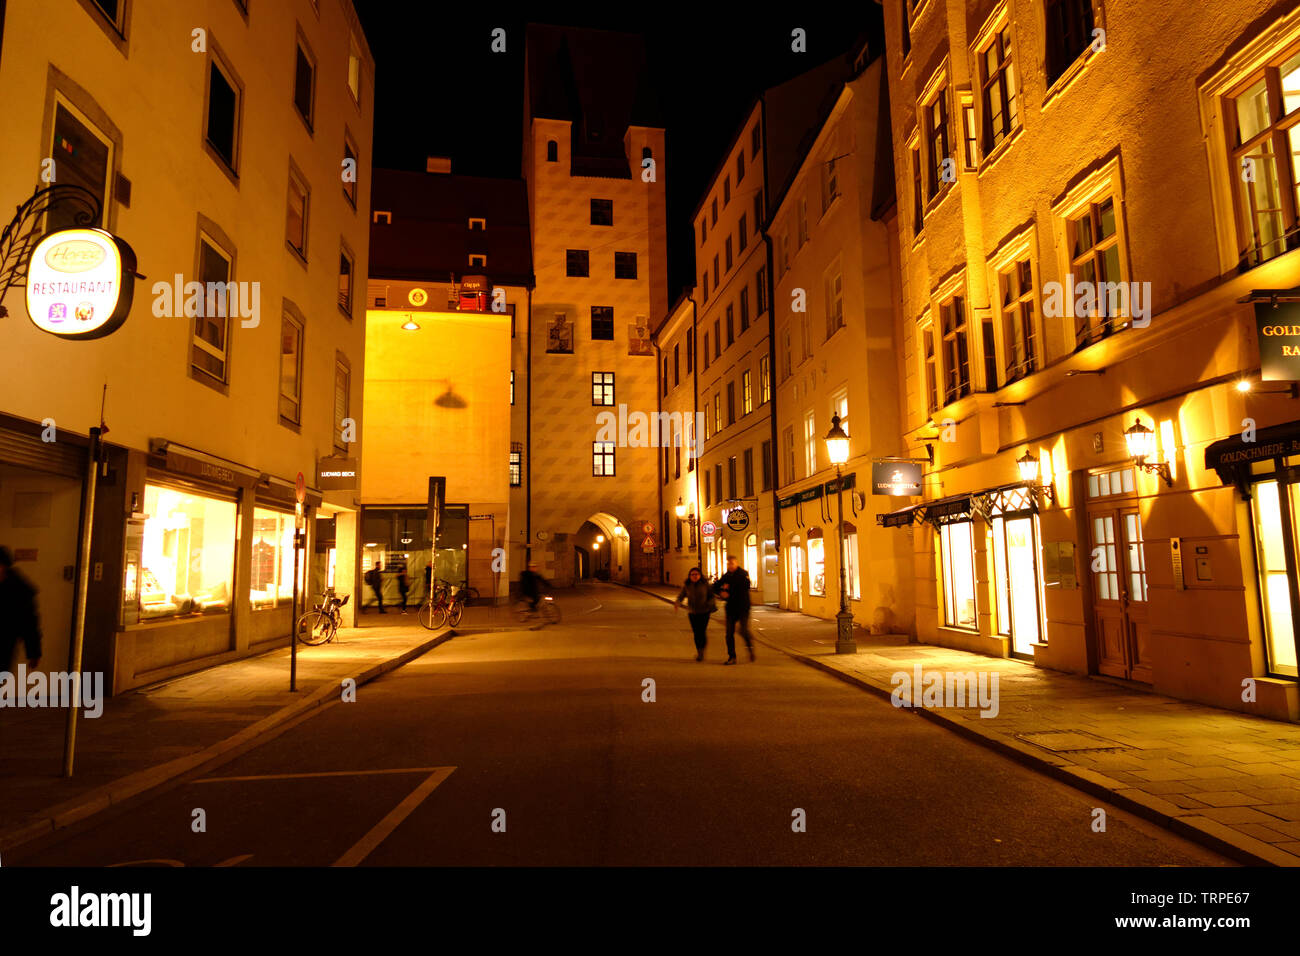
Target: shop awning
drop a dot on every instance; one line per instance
(947, 510)
(1005, 499)
(898, 519)
(1231, 457)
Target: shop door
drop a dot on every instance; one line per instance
(1120, 615)
(796, 575)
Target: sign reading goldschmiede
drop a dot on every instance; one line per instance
(1279, 341)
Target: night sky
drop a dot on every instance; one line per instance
(441, 91)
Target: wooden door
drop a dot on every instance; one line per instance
(1118, 560)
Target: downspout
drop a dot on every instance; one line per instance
(528, 439)
(660, 381)
(699, 442)
(771, 347)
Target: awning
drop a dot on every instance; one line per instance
(1005, 499)
(901, 518)
(1231, 457)
(947, 510)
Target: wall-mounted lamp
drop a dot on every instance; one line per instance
(409, 325)
(1141, 442)
(1029, 473)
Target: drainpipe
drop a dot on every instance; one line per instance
(695, 404)
(660, 381)
(528, 441)
(771, 347)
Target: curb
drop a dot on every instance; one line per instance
(1209, 833)
(119, 791)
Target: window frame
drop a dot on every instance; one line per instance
(304, 48)
(293, 418)
(296, 177)
(603, 457)
(217, 60)
(602, 389)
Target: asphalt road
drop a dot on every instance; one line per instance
(538, 747)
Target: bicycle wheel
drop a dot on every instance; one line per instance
(522, 611)
(454, 613)
(432, 616)
(550, 612)
(314, 627)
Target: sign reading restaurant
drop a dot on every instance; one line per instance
(80, 283)
(1279, 341)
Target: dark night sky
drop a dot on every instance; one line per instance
(441, 91)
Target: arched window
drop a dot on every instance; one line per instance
(851, 583)
(552, 151)
(816, 563)
(751, 558)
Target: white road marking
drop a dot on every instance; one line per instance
(384, 828)
(326, 773)
(596, 608)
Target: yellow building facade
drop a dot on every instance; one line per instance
(1090, 197)
(679, 478)
(231, 149)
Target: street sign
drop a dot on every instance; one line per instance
(300, 488)
(648, 544)
(737, 520)
(708, 529)
(648, 528)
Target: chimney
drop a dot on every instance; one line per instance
(438, 164)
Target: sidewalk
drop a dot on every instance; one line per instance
(1227, 780)
(150, 735)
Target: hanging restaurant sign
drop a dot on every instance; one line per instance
(895, 478)
(80, 283)
(1279, 341)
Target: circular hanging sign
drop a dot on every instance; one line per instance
(737, 519)
(708, 529)
(648, 528)
(300, 488)
(80, 283)
(542, 536)
(417, 297)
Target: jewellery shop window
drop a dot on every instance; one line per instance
(187, 554)
(272, 559)
(957, 548)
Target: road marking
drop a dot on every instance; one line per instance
(325, 773)
(384, 828)
(594, 609)
(235, 860)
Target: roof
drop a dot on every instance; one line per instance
(429, 237)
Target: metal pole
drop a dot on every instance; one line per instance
(83, 587)
(844, 643)
(293, 611)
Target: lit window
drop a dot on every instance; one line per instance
(354, 70)
(602, 388)
(211, 323)
(187, 555)
(272, 558)
(516, 464)
(602, 459)
(810, 443)
(957, 554)
(290, 369)
(746, 393)
(816, 563)
(852, 584)
(295, 232)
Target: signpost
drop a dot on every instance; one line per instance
(299, 525)
(707, 531)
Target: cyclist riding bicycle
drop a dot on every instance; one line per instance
(531, 584)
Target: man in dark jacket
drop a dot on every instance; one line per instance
(18, 618)
(531, 583)
(734, 586)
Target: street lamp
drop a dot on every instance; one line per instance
(837, 449)
(1141, 442)
(680, 509)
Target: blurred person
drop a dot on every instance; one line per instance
(699, 606)
(734, 588)
(19, 620)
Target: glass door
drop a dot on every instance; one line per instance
(1275, 561)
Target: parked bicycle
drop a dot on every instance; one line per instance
(547, 611)
(319, 625)
(444, 606)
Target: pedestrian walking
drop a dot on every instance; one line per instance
(699, 606)
(375, 578)
(403, 584)
(734, 587)
(19, 620)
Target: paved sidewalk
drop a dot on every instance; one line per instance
(1228, 780)
(150, 735)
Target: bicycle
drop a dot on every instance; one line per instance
(547, 610)
(444, 606)
(319, 625)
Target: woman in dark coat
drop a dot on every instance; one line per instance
(699, 605)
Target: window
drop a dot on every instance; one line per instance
(938, 141)
(727, 253)
(354, 70)
(742, 238)
(212, 324)
(816, 563)
(956, 349)
(731, 477)
(850, 559)
(84, 158)
(918, 203)
(679, 533)
(114, 10)
(1264, 126)
(576, 263)
(803, 221)
(746, 393)
(834, 303)
(602, 212)
(295, 230)
(765, 463)
(717, 338)
(715, 272)
(717, 412)
(1095, 259)
(602, 322)
(830, 183)
(705, 351)
(810, 443)
(516, 464)
(1272, 561)
(625, 265)
(187, 554)
(512, 386)
(744, 308)
(602, 459)
(708, 488)
(731, 325)
(1016, 298)
(717, 480)
(704, 284)
(785, 353)
(1069, 33)
(764, 380)
(272, 558)
(998, 84)
(677, 459)
(304, 84)
(748, 472)
(350, 182)
(787, 453)
(677, 369)
(704, 230)
(755, 138)
(731, 403)
(602, 388)
(715, 213)
(740, 165)
(222, 132)
(552, 151)
(646, 153)
(692, 450)
(665, 468)
(345, 282)
(342, 401)
(726, 190)
(930, 367)
(840, 407)
(290, 370)
(970, 136)
(957, 555)
(907, 29)
(665, 375)
(477, 261)
(1016, 579)
(760, 291)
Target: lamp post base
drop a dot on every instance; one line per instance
(844, 642)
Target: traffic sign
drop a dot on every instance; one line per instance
(737, 520)
(708, 529)
(300, 488)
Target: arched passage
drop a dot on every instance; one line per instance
(601, 549)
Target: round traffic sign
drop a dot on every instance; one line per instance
(300, 488)
(708, 529)
(738, 520)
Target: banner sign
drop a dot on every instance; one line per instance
(895, 478)
(80, 283)
(1279, 341)
(336, 474)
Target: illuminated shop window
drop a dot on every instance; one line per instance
(187, 553)
(852, 584)
(272, 558)
(1271, 560)
(957, 553)
(816, 563)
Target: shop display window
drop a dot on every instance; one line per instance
(272, 559)
(187, 559)
(816, 565)
(958, 557)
